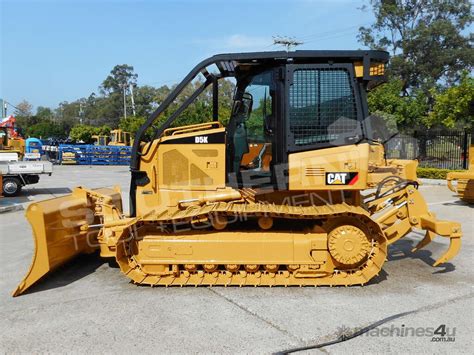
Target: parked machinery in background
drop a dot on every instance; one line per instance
(100, 139)
(119, 137)
(10, 141)
(381, 168)
(33, 149)
(462, 182)
(11, 148)
(9, 123)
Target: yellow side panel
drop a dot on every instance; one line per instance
(191, 166)
(338, 168)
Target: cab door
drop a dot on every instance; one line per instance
(324, 128)
(254, 147)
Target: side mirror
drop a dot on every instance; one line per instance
(237, 106)
(268, 125)
(247, 102)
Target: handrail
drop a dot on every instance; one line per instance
(190, 128)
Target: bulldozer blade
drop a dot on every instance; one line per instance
(57, 233)
(454, 247)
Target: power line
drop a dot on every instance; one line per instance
(16, 108)
(332, 32)
(162, 83)
(340, 35)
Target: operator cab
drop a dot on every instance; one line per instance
(284, 103)
(281, 109)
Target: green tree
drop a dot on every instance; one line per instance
(105, 110)
(24, 115)
(426, 39)
(453, 106)
(407, 111)
(67, 114)
(44, 113)
(46, 129)
(82, 116)
(83, 133)
(110, 107)
(121, 76)
(103, 130)
(131, 124)
(23, 108)
(256, 120)
(226, 97)
(201, 109)
(146, 100)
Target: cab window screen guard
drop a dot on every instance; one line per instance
(322, 106)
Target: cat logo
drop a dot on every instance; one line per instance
(341, 178)
(200, 139)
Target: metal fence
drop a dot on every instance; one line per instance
(444, 149)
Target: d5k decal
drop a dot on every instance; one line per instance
(200, 139)
(341, 178)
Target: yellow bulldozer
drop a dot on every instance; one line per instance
(100, 139)
(276, 197)
(117, 137)
(463, 180)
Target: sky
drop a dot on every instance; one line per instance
(60, 50)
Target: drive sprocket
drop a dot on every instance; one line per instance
(348, 245)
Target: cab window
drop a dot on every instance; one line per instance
(252, 124)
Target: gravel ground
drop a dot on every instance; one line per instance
(88, 306)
